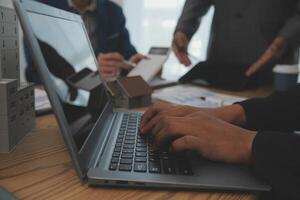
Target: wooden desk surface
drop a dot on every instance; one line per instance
(40, 168)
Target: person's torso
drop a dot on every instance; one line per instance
(244, 29)
(104, 24)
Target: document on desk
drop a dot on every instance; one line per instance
(194, 96)
(148, 68)
(42, 103)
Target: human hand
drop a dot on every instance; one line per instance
(211, 137)
(233, 114)
(158, 110)
(274, 52)
(111, 64)
(137, 58)
(180, 45)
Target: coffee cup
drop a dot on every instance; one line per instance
(285, 76)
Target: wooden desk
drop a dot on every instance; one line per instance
(40, 168)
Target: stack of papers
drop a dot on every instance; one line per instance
(195, 96)
(42, 103)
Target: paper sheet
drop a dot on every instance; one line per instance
(42, 103)
(195, 96)
(149, 68)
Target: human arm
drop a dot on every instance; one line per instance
(112, 64)
(116, 47)
(273, 154)
(187, 25)
(287, 38)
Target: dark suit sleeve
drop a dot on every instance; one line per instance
(189, 20)
(276, 160)
(112, 23)
(278, 112)
(128, 49)
(291, 29)
(276, 148)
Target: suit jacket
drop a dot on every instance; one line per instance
(112, 33)
(276, 148)
(243, 29)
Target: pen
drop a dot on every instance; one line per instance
(132, 64)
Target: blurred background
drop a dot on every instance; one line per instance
(151, 23)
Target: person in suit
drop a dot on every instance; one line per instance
(259, 132)
(255, 34)
(105, 24)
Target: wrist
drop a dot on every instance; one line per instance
(234, 114)
(249, 137)
(238, 115)
(191, 109)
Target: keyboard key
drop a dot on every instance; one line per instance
(119, 140)
(117, 149)
(127, 151)
(118, 145)
(140, 159)
(141, 154)
(153, 159)
(141, 145)
(185, 171)
(154, 167)
(128, 146)
(168, 167)
(141, 149)
(124, 167)
(128, 137)
(121, 137)
(126, 155)
(129, 141)
(131, 132)
(113, 166)
(114, 160)
(116, 154)
(140, 167)
(184, 167)
(126, 161)
(141, 140)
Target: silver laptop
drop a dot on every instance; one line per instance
(105, 146)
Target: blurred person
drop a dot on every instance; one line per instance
(105, 24)
(254, 34)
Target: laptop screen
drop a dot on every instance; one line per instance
(73, 71)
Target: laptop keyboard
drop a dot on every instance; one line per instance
(133, 152)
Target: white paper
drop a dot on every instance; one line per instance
(195, 96)
(149, 68)
(42, 102)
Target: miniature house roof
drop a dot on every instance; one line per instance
(112, 88)
(134, 86)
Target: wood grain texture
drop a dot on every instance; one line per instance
(40, 168)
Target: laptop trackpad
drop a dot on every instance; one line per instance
(220, 172)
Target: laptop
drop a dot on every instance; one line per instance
(104, 145)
